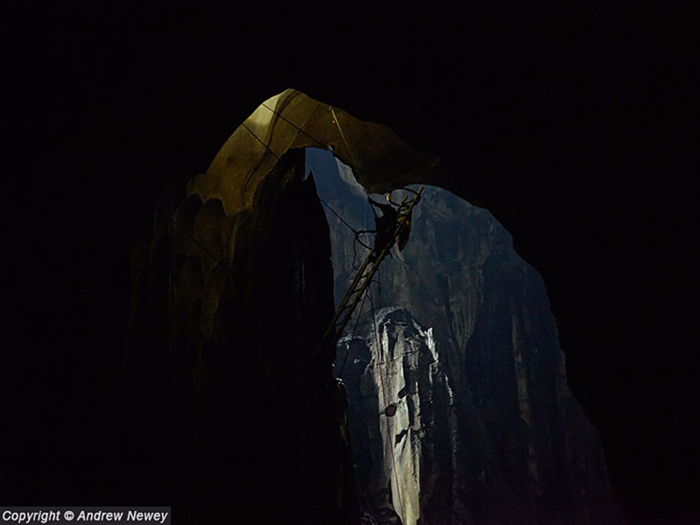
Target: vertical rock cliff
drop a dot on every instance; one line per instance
(486, 430)
(402, 420)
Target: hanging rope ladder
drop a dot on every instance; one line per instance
(363, 277)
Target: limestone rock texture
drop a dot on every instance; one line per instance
(465, 349)
(402, 422)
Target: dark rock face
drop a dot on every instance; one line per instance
(486, 430)
(219, 352)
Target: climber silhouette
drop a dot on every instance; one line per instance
(385, 225)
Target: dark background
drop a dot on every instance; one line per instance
(573, 125)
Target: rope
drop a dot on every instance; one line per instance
(356, 232)
(267, 147)
(323, 146)
(339, 217)
(354, 248)
(250, 174)
(381, 380)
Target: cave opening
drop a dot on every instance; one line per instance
(458, 405)
(475, 423)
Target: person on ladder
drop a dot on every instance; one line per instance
(385, 225)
